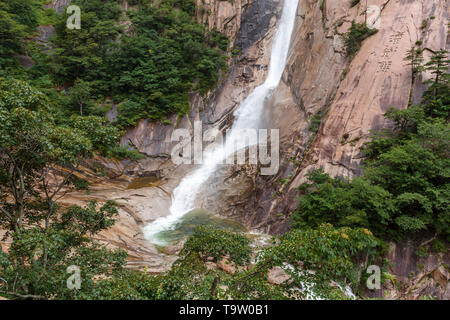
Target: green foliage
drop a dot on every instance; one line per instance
(316, 120)
(404, 188)
(18, 19)
(151, 68)
(11, 34)
(424, 24)
(79, 96)
(24, 12)
(315, 260)
(415, 60)
(38, 159)
(437, 98)
(82, 53)
(208, 241)
(342, 203)
(33, 143)
(37, 260)
(128, 285)
(122, 152)
(355, 36)
(149, 64)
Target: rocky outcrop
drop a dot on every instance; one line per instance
(59, 5)
(134, 213)
(223, 16)
(378, 78)
(277, 276)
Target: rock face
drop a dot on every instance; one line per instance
(128, 185)
(224, 16)
(246, 71)
(227, 266)
(417, 271)
(277, 276)
(352, 96)
(59, 5)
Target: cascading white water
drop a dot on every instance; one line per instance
(247, 116)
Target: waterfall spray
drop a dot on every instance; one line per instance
(247, 116)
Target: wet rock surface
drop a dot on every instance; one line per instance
(143, 189)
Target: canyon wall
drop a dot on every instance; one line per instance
(352, 97)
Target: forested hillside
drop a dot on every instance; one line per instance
(146, 59)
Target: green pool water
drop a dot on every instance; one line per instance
(187, 224)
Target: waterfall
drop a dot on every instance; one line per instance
(247, 116)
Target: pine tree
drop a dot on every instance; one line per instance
(437, 97)
(438, 65)
(415, 58)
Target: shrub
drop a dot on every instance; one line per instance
(355, 36)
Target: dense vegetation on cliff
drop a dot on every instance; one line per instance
(405, 187)
(146, 59)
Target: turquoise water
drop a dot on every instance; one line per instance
(187, 224)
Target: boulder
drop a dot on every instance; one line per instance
(277, 276)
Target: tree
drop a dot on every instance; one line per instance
(415, 60)
(38, 161)
(404, 189)
(355, 36)
(11, 34)
(354, 203)
(314, 259)
(438, 65)
(437, 97)
(36, 263)
(79, 95)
